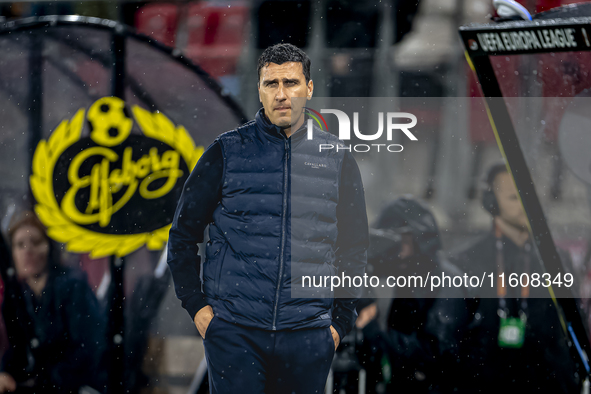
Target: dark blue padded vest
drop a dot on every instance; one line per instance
(276, 222)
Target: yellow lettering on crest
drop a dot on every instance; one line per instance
(104, 183)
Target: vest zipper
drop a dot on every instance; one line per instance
(283, 225)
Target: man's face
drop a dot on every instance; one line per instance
(277, 85)
(509, 205)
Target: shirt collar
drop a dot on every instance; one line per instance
(276, 132)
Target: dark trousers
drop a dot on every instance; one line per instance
(248, 360)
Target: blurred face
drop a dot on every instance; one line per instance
(30, 250)
(510, 208)
(277, 85)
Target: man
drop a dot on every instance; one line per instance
(269, 211)
(515, 341)
(424, 328)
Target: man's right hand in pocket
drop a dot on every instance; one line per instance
(202, 319)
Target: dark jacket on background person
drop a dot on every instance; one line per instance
(543, 364)
(424, 328)
(425, 334)
(60, 348)
(277, 209)
(421, 342)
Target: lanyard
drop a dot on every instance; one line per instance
(500, 260)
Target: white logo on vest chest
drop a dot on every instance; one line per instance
(315, 165)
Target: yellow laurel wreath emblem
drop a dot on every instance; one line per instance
(79, 239)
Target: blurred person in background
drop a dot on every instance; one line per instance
(424, 328)
(515, 341)
(57, 340)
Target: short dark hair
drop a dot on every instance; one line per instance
(283, 53)
(492, 172)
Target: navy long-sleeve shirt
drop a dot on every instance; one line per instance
(202, 193)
